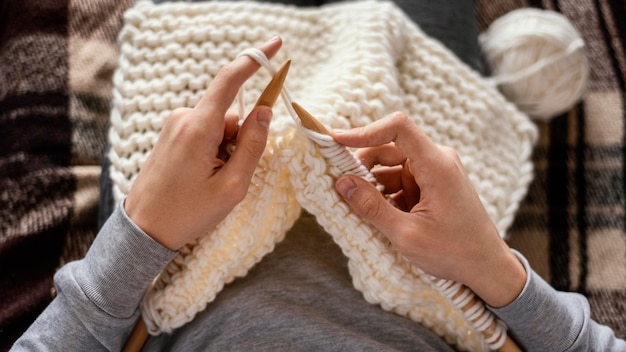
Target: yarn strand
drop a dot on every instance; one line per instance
(337, 155)
(538, 65)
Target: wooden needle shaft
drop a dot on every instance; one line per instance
(272, 91)
(137, 338)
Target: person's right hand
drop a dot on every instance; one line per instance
(441, 226)
(186, 187)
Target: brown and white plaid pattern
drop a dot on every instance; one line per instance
(56, 62)
(572, 224)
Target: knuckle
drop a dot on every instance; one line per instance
(399, 118)
(452, 159)
(450, 152)
(370, 208)
(236, 188)
(180, 125)
(180, 112)
(177, 117)
(189, 128)
(254, 145)
(225, 72)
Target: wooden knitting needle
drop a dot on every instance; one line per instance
(137, 338)
(273, 89)
(311, 123)
(308, 121)
(268, 97)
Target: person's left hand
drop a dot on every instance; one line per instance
(186, 187)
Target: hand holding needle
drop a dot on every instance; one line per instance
(311, 123)
(186, 159)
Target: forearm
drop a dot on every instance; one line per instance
(543, 319)
(98, 296)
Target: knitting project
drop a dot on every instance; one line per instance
(352, 63)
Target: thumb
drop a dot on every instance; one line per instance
(251, 141)
(366, 201)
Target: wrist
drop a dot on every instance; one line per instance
(502, 281)
(137, 214)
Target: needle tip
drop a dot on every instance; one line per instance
(308, 121)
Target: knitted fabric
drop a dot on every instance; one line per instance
(351, 64)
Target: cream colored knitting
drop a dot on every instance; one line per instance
(352, 63)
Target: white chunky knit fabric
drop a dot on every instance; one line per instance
(352, 63)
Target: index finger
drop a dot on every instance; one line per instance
(223, 89)
(397, 128)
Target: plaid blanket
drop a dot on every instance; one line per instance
(572, 223)
(56, 62)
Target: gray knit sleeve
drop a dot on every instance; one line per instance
(98, 297)
(544, 319)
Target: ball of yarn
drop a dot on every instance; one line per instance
(537, 59)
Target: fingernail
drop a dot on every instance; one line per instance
(339, 131)
(274, 38)
(346, 187)
(264, 116)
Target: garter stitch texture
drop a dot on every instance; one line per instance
(352, 63)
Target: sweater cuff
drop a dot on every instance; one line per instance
(120, 265)
(538, 301)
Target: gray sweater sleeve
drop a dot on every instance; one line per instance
(543, 319)
(98, 297)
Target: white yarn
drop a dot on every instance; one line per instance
(352, 63)
(537, 58)
(475, 311)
